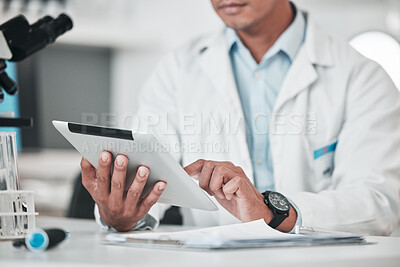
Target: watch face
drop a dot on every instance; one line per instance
(278, 201)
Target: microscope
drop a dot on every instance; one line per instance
(19, 40)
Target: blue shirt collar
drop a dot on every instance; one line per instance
(289, 42)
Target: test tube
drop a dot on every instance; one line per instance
(9, 183)
(9, 178)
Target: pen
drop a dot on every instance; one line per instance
(42, 239)
(305, 230)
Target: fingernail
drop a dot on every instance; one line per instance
(161, 187)
(104, 156)
(120, 161)
(142, 171)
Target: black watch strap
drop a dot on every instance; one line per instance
(277, 220)
(279, 216)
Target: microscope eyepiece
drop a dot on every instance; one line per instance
(24, 39)
(41, 22)
(57, 27)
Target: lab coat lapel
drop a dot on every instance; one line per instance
(316, 51)
(299, 77)
(215, 62)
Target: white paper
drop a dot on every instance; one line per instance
(242, 235)
(212, 235)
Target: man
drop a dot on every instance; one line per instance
(321, 128)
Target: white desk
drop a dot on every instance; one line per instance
(84, 248)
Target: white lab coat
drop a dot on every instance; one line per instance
(331, 93)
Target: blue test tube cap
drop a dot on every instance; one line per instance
(37, 241)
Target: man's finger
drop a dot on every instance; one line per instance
(136, 188)
(118, 181)
(88, 176)
(151, 198)
(228, 163)
(205, 176)
(220, 176)
(233, 187)
(194, 169)
(103, 173)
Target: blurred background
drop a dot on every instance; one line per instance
(95, 72)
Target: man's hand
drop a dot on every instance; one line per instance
(118, 209)
(234, 191)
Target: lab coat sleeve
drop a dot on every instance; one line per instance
(364, 196)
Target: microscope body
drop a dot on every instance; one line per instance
(19, 40)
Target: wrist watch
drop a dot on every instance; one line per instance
(279, 205)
